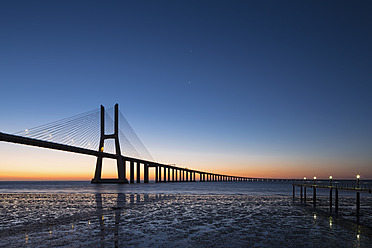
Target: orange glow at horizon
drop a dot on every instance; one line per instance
(25, 163)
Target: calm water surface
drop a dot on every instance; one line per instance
(210, 214)
(279, 188)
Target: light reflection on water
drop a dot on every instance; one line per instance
(226, 214)
(146, 220)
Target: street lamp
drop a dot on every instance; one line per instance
(358, 178)
(314, 180)
(330, 180)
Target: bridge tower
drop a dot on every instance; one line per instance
(119, 159)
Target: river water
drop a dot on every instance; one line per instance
(209, 214)
(260, 188)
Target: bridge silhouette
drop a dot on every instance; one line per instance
(97, 133)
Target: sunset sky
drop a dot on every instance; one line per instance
(277, 89)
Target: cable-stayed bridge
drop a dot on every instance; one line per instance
(107, 134)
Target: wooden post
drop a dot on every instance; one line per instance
(301, 193)
(314, 196)
(336, 201)
(330, 199)
(357, 203)
(305, 195)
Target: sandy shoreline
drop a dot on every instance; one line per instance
(148, 220)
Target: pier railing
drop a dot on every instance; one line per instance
(332, 186)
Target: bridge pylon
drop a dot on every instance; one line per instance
(119, 159)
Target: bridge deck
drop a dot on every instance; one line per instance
(207, 176)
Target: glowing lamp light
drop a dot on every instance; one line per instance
(358, 176)
(102, 149)
(330, 177)
(314, 178)
(304, 178)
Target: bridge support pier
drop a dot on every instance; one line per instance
(138, 172)
(156, 174)
(131, 171)
(146, 173)
(119, 159)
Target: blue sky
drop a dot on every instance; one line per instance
(203, 83)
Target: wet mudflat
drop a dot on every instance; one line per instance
(152, 220)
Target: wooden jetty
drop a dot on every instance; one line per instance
(332, 187)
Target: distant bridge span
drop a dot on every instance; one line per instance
(163, 172)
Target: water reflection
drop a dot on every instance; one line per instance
(330, 222)
(115, 220)
(118, 210)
